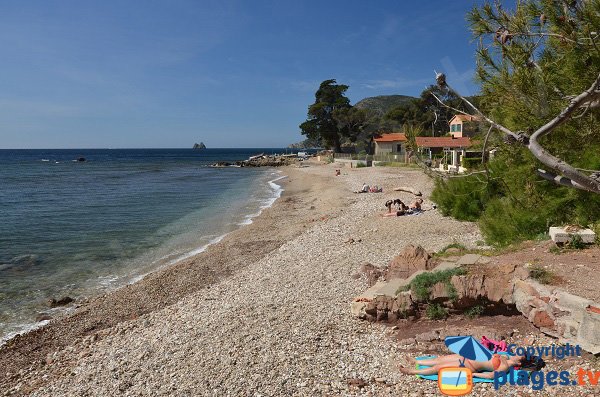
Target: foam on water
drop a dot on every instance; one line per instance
(95, 226)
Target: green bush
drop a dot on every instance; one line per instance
(453, 245)
(470, 163)
(436, 312)
(361, 165)
(541, 275)
(474, 312)
(461, 198)
(576, 242)
(512, 203)
(421, 284)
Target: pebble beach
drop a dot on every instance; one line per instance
(272, 320)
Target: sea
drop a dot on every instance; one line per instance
(81, 228)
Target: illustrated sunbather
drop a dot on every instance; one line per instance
(480, 369)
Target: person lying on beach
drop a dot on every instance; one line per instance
(395, 213)
(364, 189)
(480, 369)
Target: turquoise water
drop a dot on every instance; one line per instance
(81, 228)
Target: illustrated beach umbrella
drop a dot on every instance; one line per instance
(469, 348)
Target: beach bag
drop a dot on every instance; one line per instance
(493, 345)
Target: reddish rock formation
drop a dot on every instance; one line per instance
(411, 259)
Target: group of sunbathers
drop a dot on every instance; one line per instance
(370, 189)
(403, 209)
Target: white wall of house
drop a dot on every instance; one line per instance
(389, 148)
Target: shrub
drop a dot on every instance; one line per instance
(461, 198)
(360, 165)
(453, 245)
(576, 242)
(474, 311)
(512, 204)
(421, 284)
(436, 312)
(541, 275)
(470, 163)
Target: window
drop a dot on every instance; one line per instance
(453, 128)
(399, 148)
(458, 127)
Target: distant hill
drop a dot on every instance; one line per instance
(383, 103)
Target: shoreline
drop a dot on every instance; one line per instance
(160, 264)
(271, 299)
(28, 349)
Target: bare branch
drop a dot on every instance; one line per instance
(572, 177)
(559, 180)
(485, 141)
(580, 180)
(477, 111)
(587, 97)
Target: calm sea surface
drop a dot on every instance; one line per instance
(78, 229)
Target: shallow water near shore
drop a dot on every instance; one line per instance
(82, 228)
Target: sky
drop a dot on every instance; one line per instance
(156, 74)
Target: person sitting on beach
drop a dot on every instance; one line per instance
(416, 205)
(388, 205)
(480, 369)
(400, 205)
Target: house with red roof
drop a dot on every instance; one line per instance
(448, 150)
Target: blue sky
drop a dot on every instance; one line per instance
(122, 74)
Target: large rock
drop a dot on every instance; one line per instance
(388, 308)
(371, 272)
(65, 300)
(469, 287)
(410, 260)
(589, 332)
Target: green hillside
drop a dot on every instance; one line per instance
(383, 103)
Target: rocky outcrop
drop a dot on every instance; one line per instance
(65, 300)
(266, 161)
(388, 308)
(371, 273)
(560, 314)
(410, 260)
(555, 312)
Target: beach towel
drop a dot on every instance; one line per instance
(475, 380)
(493, 345)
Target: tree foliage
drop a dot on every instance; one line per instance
(533, 60)
(321, 124)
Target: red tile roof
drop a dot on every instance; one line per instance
(427, 141)
(395, 137)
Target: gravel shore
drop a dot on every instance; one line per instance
(279, 325)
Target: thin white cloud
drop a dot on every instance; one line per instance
(395, 84)
(458, 80)
(305, 85)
